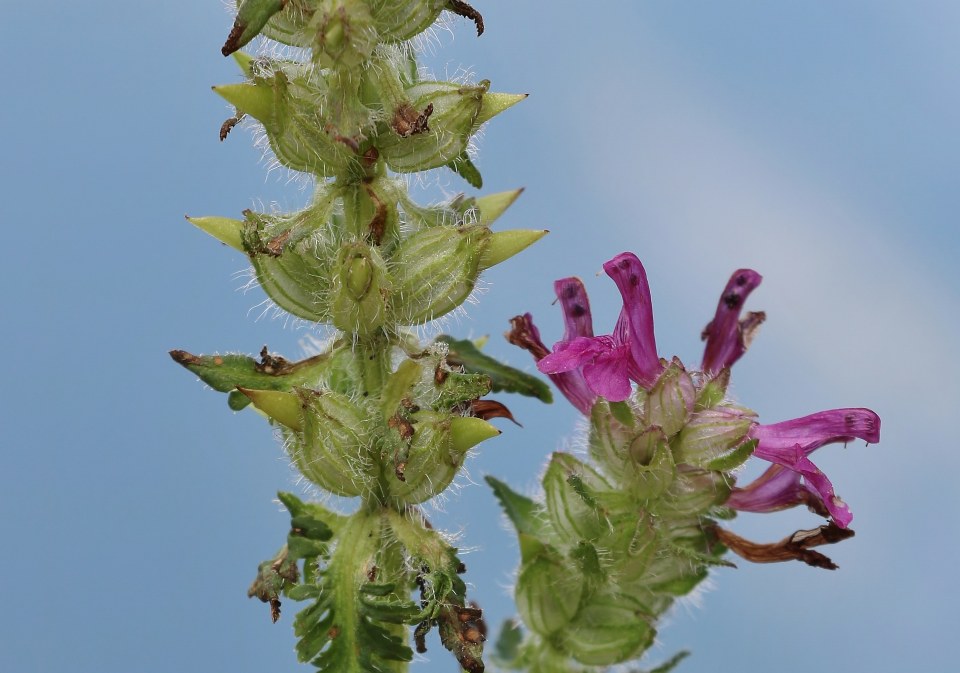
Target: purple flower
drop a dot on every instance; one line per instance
(794, 479)
(585, 367)
(727, 336)
(578, 323)
(609, 362)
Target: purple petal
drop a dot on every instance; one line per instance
(725, 335)
(571, 384)
(569, 355)
(637, 315)
(576, 308)
(795, 459)
(607, 374)
(777, 488)
(813, 431)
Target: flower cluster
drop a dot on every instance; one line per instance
(585, 367)
(619, 537)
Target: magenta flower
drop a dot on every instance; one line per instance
(788, 445)
(578, 323)
(586, 367)
(609, 362)
(726, 335)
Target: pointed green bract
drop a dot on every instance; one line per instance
(226, 230)
(505, 244)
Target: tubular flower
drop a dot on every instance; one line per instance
(610, 361)
(788, 445)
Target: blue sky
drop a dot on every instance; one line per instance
(816, 142)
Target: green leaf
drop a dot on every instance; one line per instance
(226, 373)
(507, 647)
(527, 516)
(465, 168)
(666, 666)
(465, 353)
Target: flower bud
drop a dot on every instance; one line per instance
(331, 451)
(569, 486)
(610, 628)
(549, 587)
(359, 303)
(670, 400)
(435, 270)
(711, 434)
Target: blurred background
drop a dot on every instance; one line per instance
(816, 142)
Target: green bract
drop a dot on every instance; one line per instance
(376, 415)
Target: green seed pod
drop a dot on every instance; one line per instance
(549, 587)
(609, 437)
(359, 288)
(711, 434)
(435, 270)
(608, 629)
(633, 542)
(286, 98)
(693, 492)
(292, 264)
(569, 486)
(647, 479)
(431, 123)
(332, 449)
(399, 20)
(430, 126)
(344, 35)
(671, 399)
(437, 449)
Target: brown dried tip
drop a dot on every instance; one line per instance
(233, 39)
(274, 610)
(487, 409)
(227, 126)
(183, 357)
(521, 334)
(466, 11)
(794, 547)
